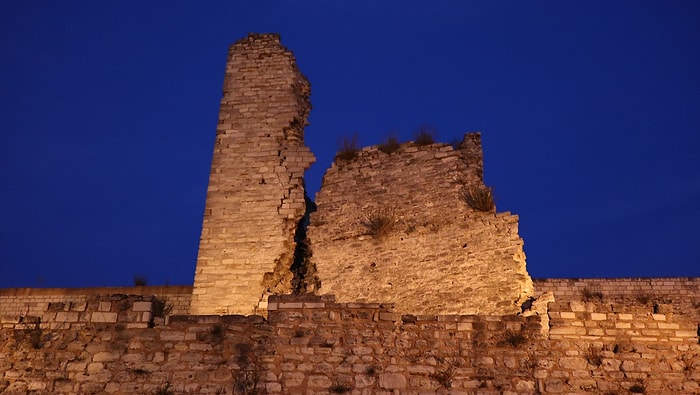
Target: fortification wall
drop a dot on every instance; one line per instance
(438, 255)
(255, 198)
(315, 345)
(676, 288)
(23, 302)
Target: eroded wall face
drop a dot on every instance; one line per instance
(439, 256)
(255, 197)
(310, 344)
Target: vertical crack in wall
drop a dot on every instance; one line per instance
(305, 279)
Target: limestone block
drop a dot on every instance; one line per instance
(99, 316)
(392, 381)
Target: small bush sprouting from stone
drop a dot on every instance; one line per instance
(590, 295)
(348, 149)
(444, 376)
(379, 223)
(515, 339)
(299, 333)
(593, 356)
(479, 197)
(244, 352)
(425, 136)
(371, 370)
(390, 145)
(218, 332)
(638, 389)
(339, 388)
(643, 298)
(161, 307)
(140, 372)
(35, 335)
(164, 390)
(140, 281)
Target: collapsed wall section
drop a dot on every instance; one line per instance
(395, 228)
(255, 197)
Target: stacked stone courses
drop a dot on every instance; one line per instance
(255, 197)
(439, 256)
(311, 344)
(439, 303)
(33, 302)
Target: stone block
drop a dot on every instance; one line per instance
(103, 316)
(392, 381)
(142, 306)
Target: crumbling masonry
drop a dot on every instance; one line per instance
(255, 198)
(441, 256)
(437, 300)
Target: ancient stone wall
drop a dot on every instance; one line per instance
(22, 302)
(255, 198)
(676, 288)
(437, 254)
(312, 344)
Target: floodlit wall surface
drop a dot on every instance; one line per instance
(315, 345)
(438, 255)
(255, 197)
(23, 302)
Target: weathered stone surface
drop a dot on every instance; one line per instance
(439, 255)
(392, 381)
(255, 197)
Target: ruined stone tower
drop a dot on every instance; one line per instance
(439, 257)
(255, 197)
(436, 254)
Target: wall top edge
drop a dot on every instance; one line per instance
(615, 279)
(143, 290)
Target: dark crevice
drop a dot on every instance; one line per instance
(305, 280)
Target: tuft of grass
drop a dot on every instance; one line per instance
(140, 281)
(371, 370)
(643, 298)
(593, 356)
(425, 136)
(348, 149)
(339, 388)
(638, 389)
(379, 223)
(444, 376)
(218, 332)
(164, 390)
(515, 339)
(35, 335)
(390, 145)
(478, 197)
(161, 307)
(590, 295)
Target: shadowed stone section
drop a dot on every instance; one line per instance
(438, 256)
(255, 197)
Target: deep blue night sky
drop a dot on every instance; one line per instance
(589, 113)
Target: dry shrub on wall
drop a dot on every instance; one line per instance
(425, 135)
(390, 145)
(379, 222)
(478, 197)
(591, 295)
(348, 148)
